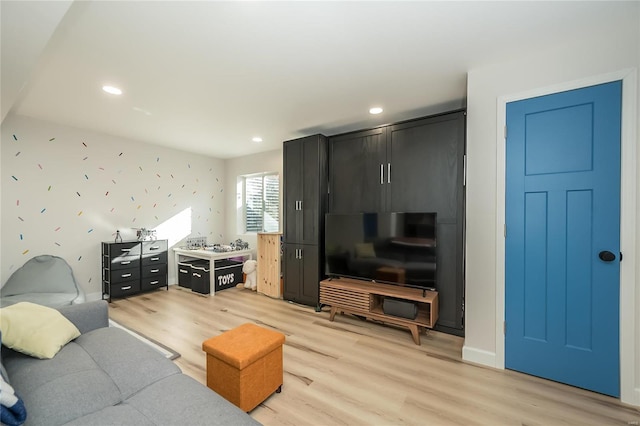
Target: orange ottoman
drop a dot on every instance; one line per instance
(244, 364)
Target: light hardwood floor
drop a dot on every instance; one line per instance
(354, 372)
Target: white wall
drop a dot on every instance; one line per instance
(616, 51)
(64, 190)
(269, 161)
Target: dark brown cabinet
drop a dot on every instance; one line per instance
(412, 166)
(132, 267)
(305, 200)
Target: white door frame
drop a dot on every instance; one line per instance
(629, 310)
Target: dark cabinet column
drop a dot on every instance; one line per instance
(305, 201)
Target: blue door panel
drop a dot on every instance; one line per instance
(562, 210)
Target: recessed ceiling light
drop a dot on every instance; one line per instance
(375, 110)
(257, 139)
(112, 90)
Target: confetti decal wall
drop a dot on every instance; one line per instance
(64, 190)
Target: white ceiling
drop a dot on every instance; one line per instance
(206, 77)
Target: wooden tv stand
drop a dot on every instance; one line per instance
(365, 298)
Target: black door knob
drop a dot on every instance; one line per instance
(607, 256)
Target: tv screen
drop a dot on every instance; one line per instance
(396, 248)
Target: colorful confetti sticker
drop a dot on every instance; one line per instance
(222, 189)
(21, 237)
(158, 188)
(106, 193)
(120, 155)
(90, 231)
(174, 205)
(145, 191)
(86, 177)
(134, 219)
(194, 192)
(182, 185)
(21, 219)
(140, 167)
(217, 180)
(89, 280)
(14, 137)
(101, 168)
(154, 205)
(157, 159)
(26, 251)
(52, 139)
(84, 158)
(14, 178)
(85, 145)
(172, 176)
(197, 180)
(156, 217)
(43, 210)
(189, 165)
(58, 244)
(112, 209)
(80, 213)
(132, 199)
(139, 206)
(158, 175)
(169, 195)
(78, 194)
(17, 202)
(17, 153)
(114, 182)
(79, 258)
(40, 165)
(57, 229)
(49, 188)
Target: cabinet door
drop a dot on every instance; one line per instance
(314, 188)
(292, 185)
(310, 291)
(357, 172)
(426, 158)
(292, 279)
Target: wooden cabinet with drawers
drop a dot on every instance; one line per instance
(129, 268)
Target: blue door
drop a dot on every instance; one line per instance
(562, 241)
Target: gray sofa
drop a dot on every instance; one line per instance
(106, 377)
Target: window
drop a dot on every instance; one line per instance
(262, 203)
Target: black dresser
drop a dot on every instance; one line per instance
(132, 267)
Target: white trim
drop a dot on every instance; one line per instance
(629, 339)
(478, 356)
(90, 297)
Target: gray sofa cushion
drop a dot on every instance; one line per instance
(188, 403)
(131, 364)
(62, 388)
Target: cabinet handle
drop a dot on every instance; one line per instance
(154, 259)
(154, 282)
(300, 204)
(125, 249)
(126, 288)
(125, 275)
(125, 263)
(183, 271)
(388, 172)
(381, 174)
(155, 270)
(197, 275)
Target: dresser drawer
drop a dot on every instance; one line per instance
(124, 262)
(125, 288)
(154, 270)
(150, 283)
(154, 259)
(122, 275)
(151, 247)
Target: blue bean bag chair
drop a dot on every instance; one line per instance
(45, 280)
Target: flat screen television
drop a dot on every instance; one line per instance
(395, 248)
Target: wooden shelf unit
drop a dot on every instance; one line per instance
(268, 273)
(366, 298)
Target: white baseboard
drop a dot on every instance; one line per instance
(479, 356)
